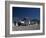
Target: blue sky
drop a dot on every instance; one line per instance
(26, 12)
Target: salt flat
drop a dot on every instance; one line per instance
(24, 28)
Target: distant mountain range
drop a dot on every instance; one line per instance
(25, 19)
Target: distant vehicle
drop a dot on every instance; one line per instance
(21, 23)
